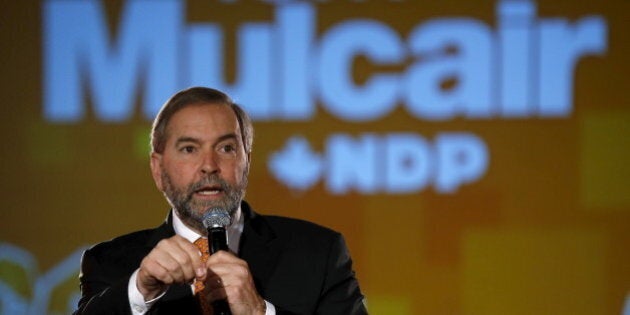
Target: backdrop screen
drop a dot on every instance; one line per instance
(473, 153)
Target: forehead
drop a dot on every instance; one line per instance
(203, 119)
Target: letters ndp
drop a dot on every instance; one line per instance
(523, 68)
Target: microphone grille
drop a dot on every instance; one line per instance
(216, 217)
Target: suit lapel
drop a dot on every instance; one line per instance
(165, 230)
(259, 247)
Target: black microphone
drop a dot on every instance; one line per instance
(215, 221)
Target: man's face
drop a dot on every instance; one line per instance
(204, 163)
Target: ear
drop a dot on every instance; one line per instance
(156, 170)
(248, 161)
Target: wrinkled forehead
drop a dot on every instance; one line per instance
(215, 117)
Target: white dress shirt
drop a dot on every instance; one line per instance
(136, 301)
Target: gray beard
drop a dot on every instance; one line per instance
(191, 211)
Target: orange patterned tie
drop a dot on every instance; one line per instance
(202, 245)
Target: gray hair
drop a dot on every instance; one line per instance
(197, 96)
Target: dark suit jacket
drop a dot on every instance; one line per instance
(299, 267)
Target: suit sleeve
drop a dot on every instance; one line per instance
(99, 294)
(341, 293)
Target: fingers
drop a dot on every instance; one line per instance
(214, 289)
(173, 260)
(230, 278)
(225, 269)
(180, 258)
(225, 258)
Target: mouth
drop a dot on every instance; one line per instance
(209, 191)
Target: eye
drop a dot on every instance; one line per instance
(187, 149)
(227, 148)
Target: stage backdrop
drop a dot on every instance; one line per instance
(473, 153)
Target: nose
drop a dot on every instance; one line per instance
(209, 164)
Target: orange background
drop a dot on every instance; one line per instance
(545, 231)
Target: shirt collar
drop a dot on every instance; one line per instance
(234, 231)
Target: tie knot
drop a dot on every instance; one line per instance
(202, 245)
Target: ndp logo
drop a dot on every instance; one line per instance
(523, 68)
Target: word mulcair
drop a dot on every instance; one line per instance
(522, 69)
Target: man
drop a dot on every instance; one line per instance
(201, 152)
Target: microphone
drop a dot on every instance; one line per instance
(215, 221)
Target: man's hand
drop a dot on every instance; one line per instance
(173, 260)
(229, 278)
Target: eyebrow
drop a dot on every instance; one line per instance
(186, 139)
(227, 136)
